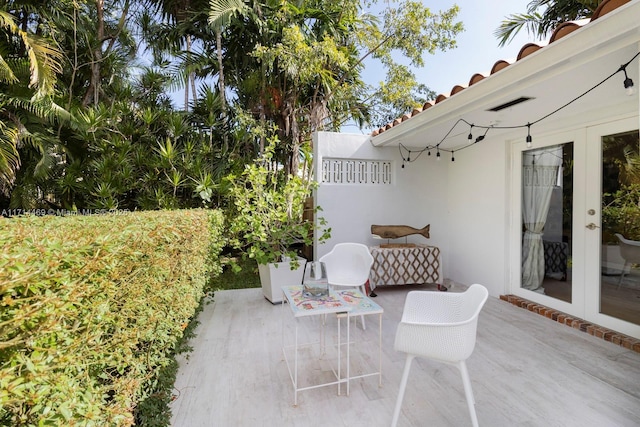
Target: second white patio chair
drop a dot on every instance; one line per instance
(348, 265)
(630, 251)
(440, 326)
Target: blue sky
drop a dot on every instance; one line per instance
(477, 48)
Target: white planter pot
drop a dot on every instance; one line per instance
(276, 275)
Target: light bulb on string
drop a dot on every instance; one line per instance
(438, 154)
(628, 83)
(453, 159)
(529, 139)
(470, 137)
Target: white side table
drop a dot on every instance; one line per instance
(303, 307)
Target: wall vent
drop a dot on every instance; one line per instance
(510, 103)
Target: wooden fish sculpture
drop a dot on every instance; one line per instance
(395, 231)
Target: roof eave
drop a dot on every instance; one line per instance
(612, 31)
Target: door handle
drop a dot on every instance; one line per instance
(592, 226)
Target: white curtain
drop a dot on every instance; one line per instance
(539, 175)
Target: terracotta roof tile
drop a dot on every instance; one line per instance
(441, 98)
(561, 30)
(527, 50)
(456, 89)
(475, 79)
(499, 65)
(606, 7)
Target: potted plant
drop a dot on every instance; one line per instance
(267, 221)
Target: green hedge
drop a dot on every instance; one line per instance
(91, 308)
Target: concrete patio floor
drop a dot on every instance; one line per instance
(526, 371)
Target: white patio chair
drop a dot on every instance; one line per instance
(440, 326)
(348, 265)
(630, 251)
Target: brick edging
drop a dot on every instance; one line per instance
(582, 325)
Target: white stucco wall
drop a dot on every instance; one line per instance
(416, 197)
(464, 201)
(477, 216)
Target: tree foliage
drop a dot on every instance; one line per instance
(28, 68)
(266, 218)
(87, 91)
(543, 16)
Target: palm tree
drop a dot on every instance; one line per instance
(174, 27)
(28, 68)
(541, 23)
(220, 14)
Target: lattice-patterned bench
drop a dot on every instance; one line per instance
(405, 265)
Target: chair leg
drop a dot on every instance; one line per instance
(468, 392)
(403, 385)
(624, 267)
(363, 289)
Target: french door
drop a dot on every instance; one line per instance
(576, 195)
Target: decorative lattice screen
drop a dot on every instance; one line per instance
(350, 171)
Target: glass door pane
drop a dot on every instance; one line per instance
(547, 215)
(620, 259)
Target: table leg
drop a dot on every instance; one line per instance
(295, 364)
(348, 353)
(380, 350)
(282, 314)
(322, 342)
(339, 357)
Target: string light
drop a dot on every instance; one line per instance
(628, 85)
(481, 137)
